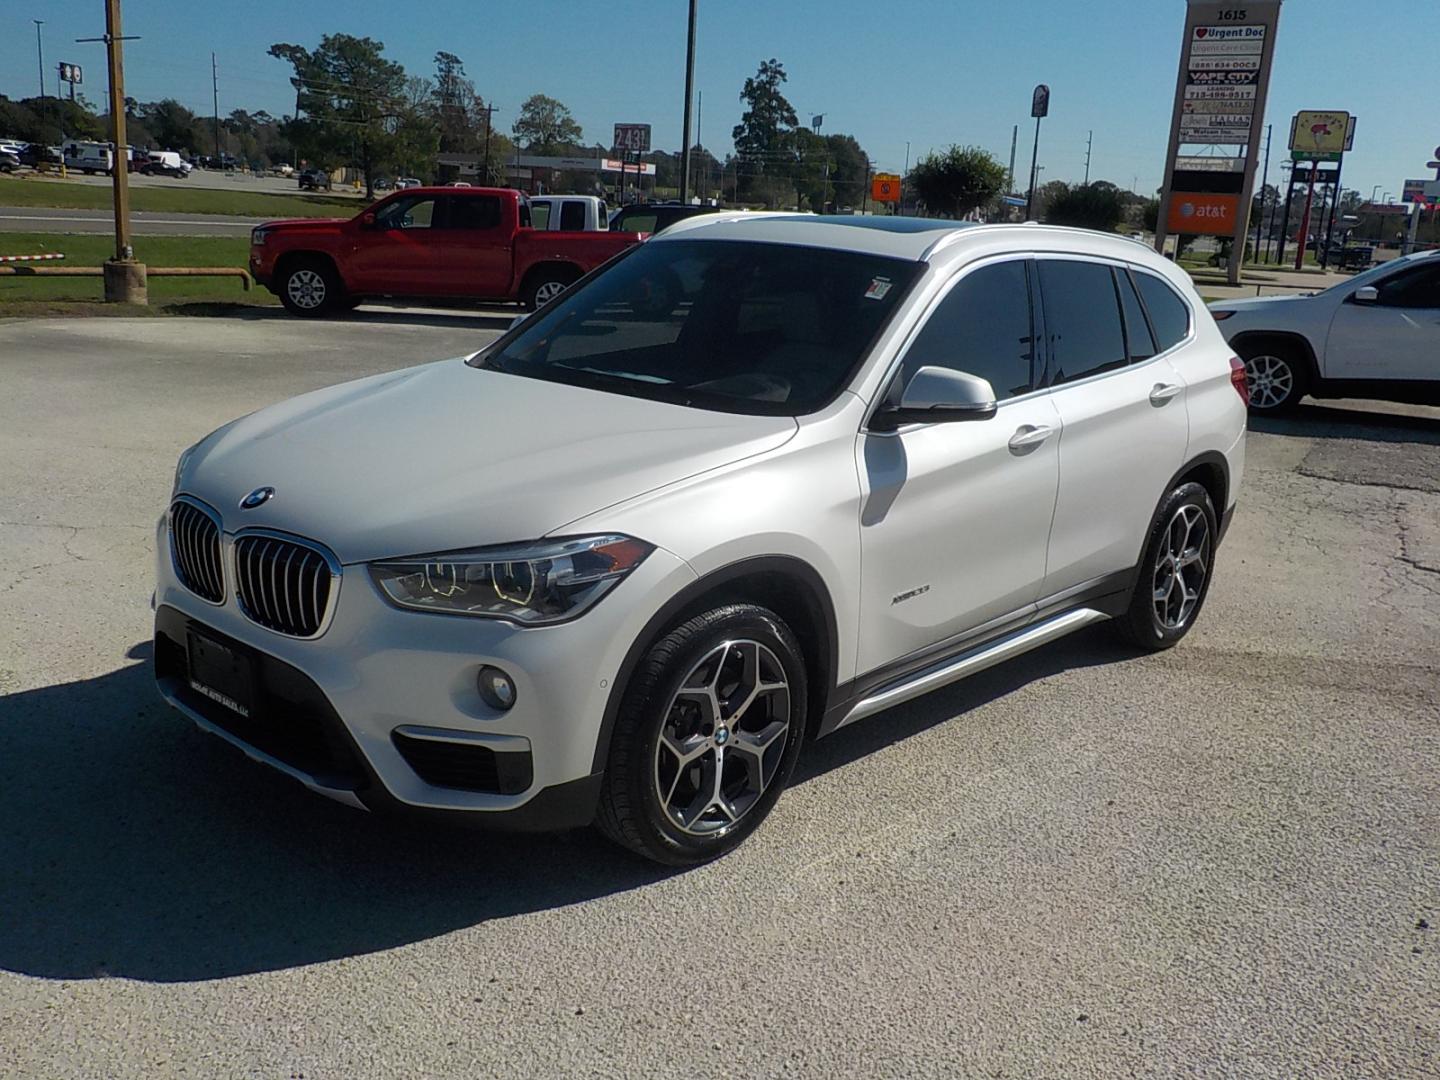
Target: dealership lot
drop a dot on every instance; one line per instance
(1220, 860)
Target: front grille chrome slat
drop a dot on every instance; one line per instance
(195, 550)
(284, 584)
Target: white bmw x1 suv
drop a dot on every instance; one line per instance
(755, 479)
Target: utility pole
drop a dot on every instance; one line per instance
(215, 93)
(1010, 172)
(1264, 180)
(40, 55)
(489, 179)
(904, 179)
(1089, 142)
(689, 99)
(124, 277)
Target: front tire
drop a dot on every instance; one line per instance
(707, 736)
(1175, 571)
(1275, 375)
(310, 287)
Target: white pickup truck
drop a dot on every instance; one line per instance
(569, 213)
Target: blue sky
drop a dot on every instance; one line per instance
(930, 72)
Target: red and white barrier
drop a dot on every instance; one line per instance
(28, 258)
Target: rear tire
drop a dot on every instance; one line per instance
(1276, 375)
(545, 285)
(707, 736)
(1175, 571)
(310, 287)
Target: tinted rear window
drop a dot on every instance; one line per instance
(1168, 313)
(1082, 319)
(572, 215)
(1137, 330)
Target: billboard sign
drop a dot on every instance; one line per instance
(1040, 101)
(1226, 52)
(72, 73)
(634, 138)
(1318, 132)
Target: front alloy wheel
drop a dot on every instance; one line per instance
(706, 736)
(306, 290)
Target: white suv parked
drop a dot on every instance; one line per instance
(1376, 335)
(756, 479)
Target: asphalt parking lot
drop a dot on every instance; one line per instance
(1218, 861)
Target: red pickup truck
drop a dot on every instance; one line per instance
(432, 242)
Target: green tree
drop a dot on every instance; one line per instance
(957, 181)
(42, 120)
(767, 118)
(849, 170)
(1150, 215)
(1087, 206)
(546, 127)
(351, 97)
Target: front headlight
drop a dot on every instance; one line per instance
(548, 581)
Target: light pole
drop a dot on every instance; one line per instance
(689, 98)
(40, 54)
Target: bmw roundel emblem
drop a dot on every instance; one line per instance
(258, 497)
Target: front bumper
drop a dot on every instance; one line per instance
(343, 713)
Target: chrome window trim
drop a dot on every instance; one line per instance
(214, 515)
(332, 563)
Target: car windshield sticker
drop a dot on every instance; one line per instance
(878, 288)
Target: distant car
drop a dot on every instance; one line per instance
(9, 162)
(314, 180)
(458, 183)
(407, 182)
(653, 217)
(382, 183)
(1375, 336)
(166, 163)
(35, 155)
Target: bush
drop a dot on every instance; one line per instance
(1086, 206)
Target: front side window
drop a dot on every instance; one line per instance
(733, 326)
(1169, 315)
(1418, 288)
(981, 327)
(1082, 319)
(413, 212)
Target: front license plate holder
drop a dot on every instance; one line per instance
(221, 674)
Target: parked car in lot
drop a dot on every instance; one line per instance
(408, 182)
(313, 180)
(37, 155)
(569, 213)
(166, 163)
(610, 566)
(1376, 335)
(9, 162)
(655, 217)
(425, 242)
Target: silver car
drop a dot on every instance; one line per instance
(755, 480)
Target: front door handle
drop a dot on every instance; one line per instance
(1029, 435)
(1163, 392)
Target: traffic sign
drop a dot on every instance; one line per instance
(885, 187)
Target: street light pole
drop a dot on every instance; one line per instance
(40, 55)
(689, 99)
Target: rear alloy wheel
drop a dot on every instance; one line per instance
(545, 286)
(310, 288)
(707, 736)
(1275, 380)
(1175, 571)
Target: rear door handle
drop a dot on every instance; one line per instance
(1028, 435)
(1163, 392)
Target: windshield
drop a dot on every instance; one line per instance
(765, 329)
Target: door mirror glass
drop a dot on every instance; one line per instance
(936, 395)
(367, 221)
(1369, 294)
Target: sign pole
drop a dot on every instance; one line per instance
(689, 96)
(1335, 191)
(1034, 155)
(1303, 237)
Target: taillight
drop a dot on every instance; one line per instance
(1238, 380)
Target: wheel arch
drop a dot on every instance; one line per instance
(788, 586)
(1296, 341)
(561, 267)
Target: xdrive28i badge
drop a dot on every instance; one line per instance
(259, 497)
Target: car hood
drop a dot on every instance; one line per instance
(1272, 304)
(445, 456)
(302, 224)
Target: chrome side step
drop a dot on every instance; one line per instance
(968, 663)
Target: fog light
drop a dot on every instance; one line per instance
(496, 688)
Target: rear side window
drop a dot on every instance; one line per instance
(1082, 319)
(1137, 330)
(1168, 313)
(982, 327)
(572, 215)
(474, 211)
(641, 222)
(539, 215)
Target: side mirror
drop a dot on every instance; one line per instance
(1369, 294)
(367, 220)
(936, 395)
